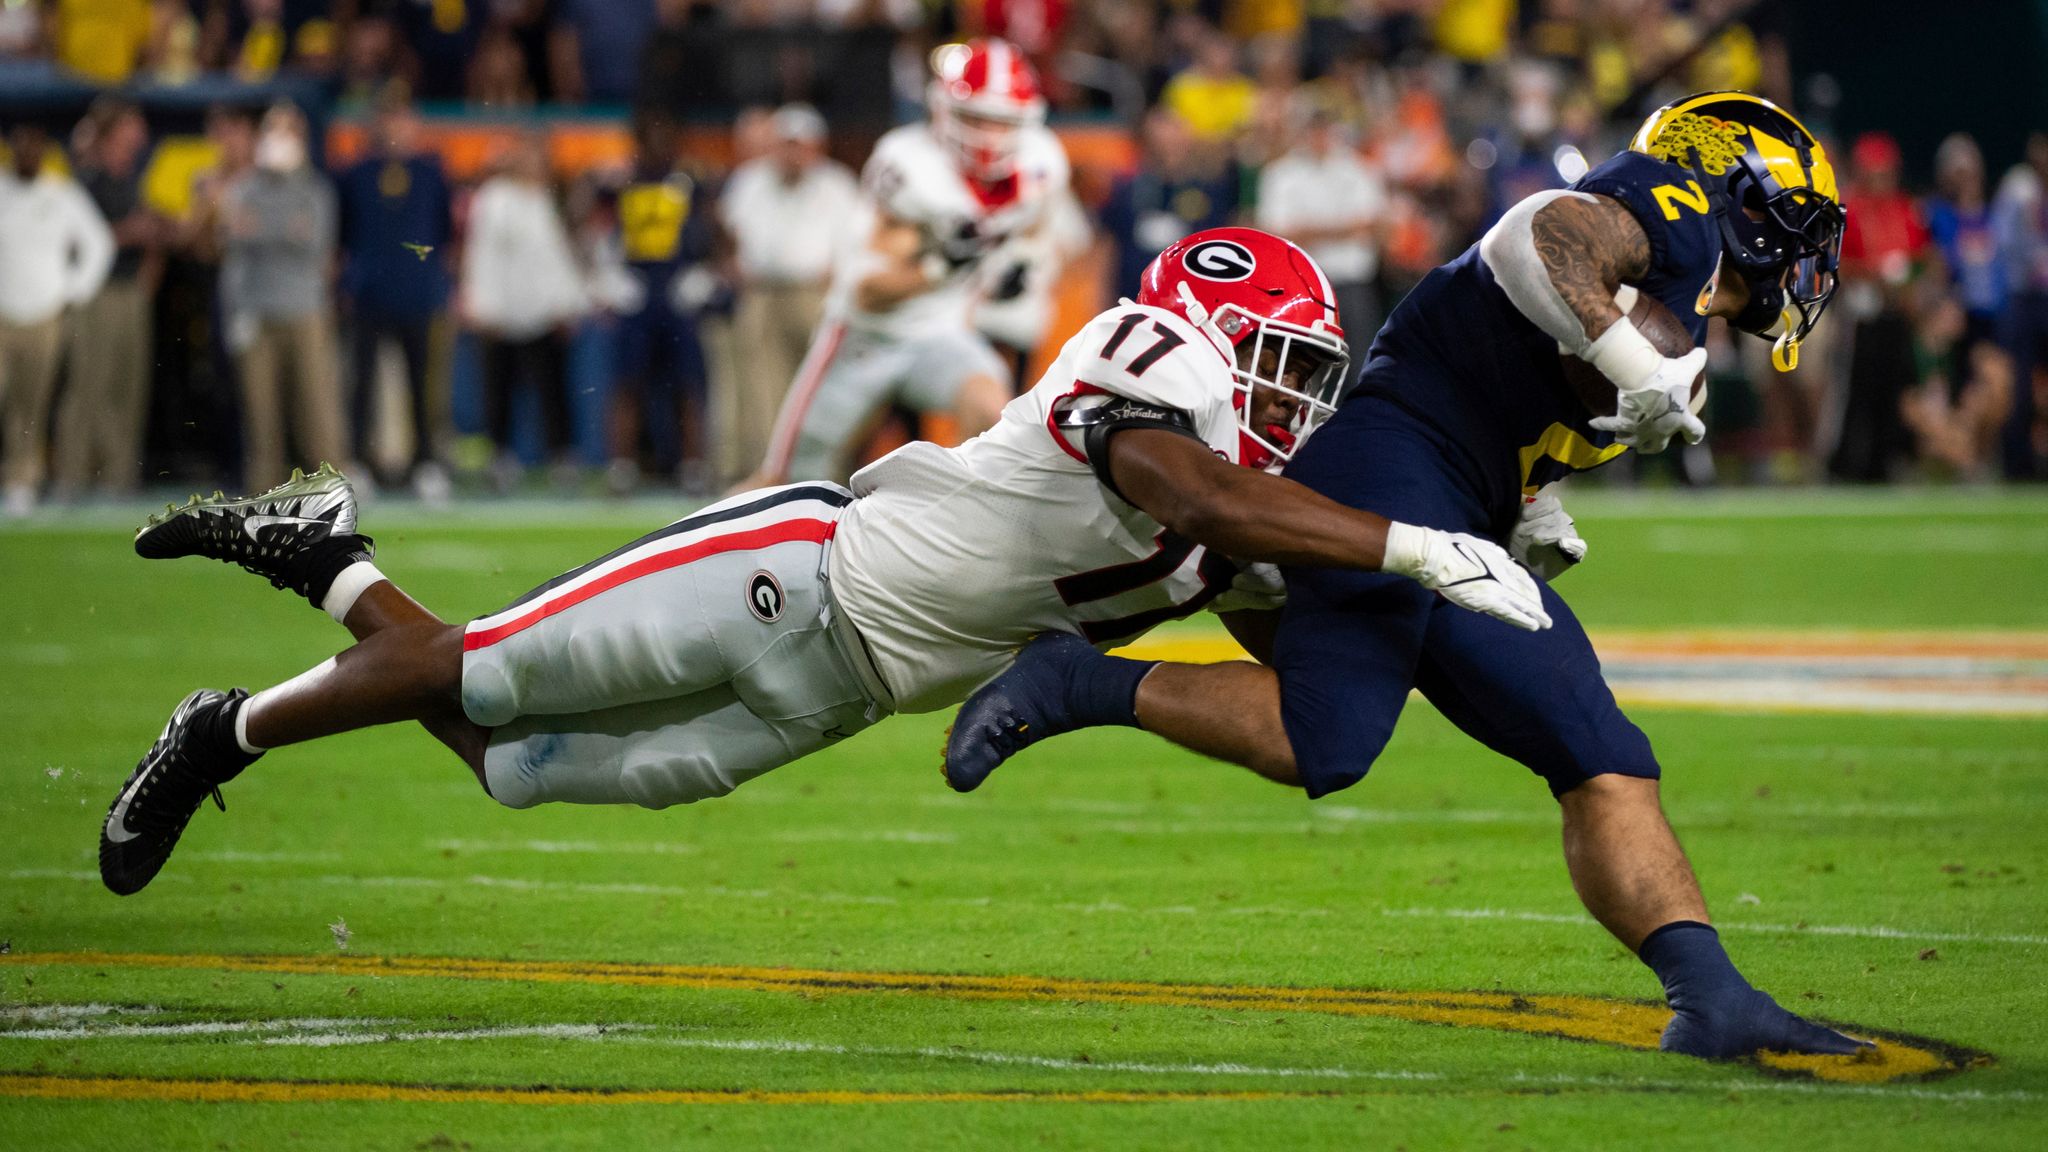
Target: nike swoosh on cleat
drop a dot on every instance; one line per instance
(117, 820)
(254, 524)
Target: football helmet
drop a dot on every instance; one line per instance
(1748, 153)
(1249, 291)
(983, 96)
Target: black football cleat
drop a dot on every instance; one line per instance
(165, 790)
(298, 535)
(1027, 703)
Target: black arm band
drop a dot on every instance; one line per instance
(1098, 423)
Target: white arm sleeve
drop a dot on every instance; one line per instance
(1509, 249)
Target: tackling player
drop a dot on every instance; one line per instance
(1103, 502)
(980, 175)
(1723, 205)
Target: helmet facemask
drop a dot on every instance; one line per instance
(984, 142)
(1794, 239)
(1318, 361)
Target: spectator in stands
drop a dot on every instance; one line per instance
(1523, 155)
(1474, 32)
(442, 36)
(57, 249)
(1325, 197)
(1178, 189)
(21, 31)
(1976, 370)
(2022, 215)
(664, 233)
(395, 227)
(255, 39)
(597, 50)
(106, 41)
(99, 421)
(498, 78)
(1882, 247)
(1211, 96)
(788, 212)
(521, 289)
(277, 235)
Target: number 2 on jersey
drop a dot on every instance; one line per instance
(1168, 341)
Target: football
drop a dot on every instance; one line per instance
(1665, 332)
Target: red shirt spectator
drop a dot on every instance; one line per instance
(1885, 235)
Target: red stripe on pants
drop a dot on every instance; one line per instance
(811, 531)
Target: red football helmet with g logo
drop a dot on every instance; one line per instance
(983, 95)
(1250, 292)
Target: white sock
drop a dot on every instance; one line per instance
(351, 583)
(242, 725)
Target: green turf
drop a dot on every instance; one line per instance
(1104, 857)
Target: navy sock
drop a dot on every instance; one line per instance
(1104, 690)
(1687, 956)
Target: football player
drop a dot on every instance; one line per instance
(1108, 499)
(1722, 205)
(940, 197)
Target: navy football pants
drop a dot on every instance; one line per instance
(1351, 644)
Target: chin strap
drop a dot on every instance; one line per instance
(1785, 353)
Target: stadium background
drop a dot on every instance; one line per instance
(1115, 943)
(1454, 107)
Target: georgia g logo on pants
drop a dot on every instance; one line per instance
(764, 596)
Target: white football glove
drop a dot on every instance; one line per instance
(1655, 391)
(1545, 540)
(1468, 571)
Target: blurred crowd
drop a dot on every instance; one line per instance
(215, 307)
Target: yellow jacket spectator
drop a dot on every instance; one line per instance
(1212, 96)
(102, 40)
(1475, 31)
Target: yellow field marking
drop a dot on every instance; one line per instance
(134, 1088)
(1988, 694)
(1615, 1022)
(1210, 646)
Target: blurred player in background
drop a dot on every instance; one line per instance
(1017, 310)
(1723, 205)
(977, 178)
(1128, 488)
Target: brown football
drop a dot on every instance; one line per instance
(1664, 331)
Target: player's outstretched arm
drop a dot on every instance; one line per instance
(896, 273)
(1560, 256)
(1254, 516)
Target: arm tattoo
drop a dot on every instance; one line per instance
(1590, 247)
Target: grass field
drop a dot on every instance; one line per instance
(1113, 945)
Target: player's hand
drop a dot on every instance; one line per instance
(1545, 540)
(1468, 571)
(1648, 416)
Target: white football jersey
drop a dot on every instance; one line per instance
(951, 558)
(912, 176)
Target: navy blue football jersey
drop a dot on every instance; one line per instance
(1460, 355)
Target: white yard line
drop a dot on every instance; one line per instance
(335, 1039)
(566, 847)
(112, 1031)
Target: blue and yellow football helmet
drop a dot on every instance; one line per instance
(1773, 191)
